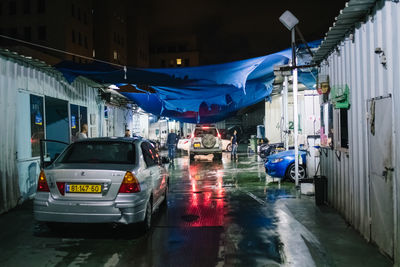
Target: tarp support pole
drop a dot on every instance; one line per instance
(286, 112)
(295, 112)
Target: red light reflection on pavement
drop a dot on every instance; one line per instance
(206, 199)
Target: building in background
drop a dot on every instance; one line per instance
(110, 31)
(170, 51)
(138, 35)
(64, 24)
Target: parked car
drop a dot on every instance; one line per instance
(103, 180)
(226, 145)
(281, 165)
(205, 140)
(183, 144)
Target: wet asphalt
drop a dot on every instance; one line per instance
(226, 213)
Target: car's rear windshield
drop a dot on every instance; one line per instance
(202, 131)
(105, 152)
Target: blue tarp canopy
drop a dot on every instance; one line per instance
(203, 94)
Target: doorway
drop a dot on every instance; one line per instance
(57, 124)
(380, 154)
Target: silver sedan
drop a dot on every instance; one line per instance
(103, 180)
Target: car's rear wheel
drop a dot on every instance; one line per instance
(290, 172)
(164, 204)
(146, 224)
(229, 148)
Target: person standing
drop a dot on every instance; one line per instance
(172, 140)
(83, 133)
(234, 145)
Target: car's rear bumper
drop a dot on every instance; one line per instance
(51, 210)
(202, 151)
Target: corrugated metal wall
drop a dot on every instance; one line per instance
(9, 189)
(17, 79)
(356, 64)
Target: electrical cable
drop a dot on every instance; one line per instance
(62, 51)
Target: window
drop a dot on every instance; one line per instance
(41, 6)
(27, 33)
(341, 134)
(94, 53)
(12, 8)
(85, 42)
(73, 36)
(73, 10)
(148, 155)
(37, 123)
(326, 125)
(99, 152)
(79, 38)
(27, 6)
(85, 18)
(42, 33)
(1, 8)
(115, 55)
(79, 14)
(163, 63)
(179, 61)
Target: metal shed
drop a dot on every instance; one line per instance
(360, 55)
(22, 80)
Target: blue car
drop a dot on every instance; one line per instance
(281, 165)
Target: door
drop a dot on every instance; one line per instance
(57, 124)
(153, 170)
(381, 172)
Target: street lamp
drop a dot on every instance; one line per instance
(290, 22)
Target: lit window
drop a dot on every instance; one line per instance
(94, 53)
(115, 55)
(178, 61)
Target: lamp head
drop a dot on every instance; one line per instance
(289, 20)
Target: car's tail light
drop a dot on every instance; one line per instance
(42, 183)
(193, 135)
(219, 135)
(130, 184)
(61, 187)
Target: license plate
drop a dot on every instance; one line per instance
(83, 188)
(196, 145)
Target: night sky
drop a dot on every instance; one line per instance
(233, 30)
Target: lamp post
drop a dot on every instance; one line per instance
(290, 22)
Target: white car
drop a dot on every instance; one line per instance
(226, 145)
(103, 180)
(205, 140)
(183, 144)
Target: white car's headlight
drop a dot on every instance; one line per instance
(276, 160)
